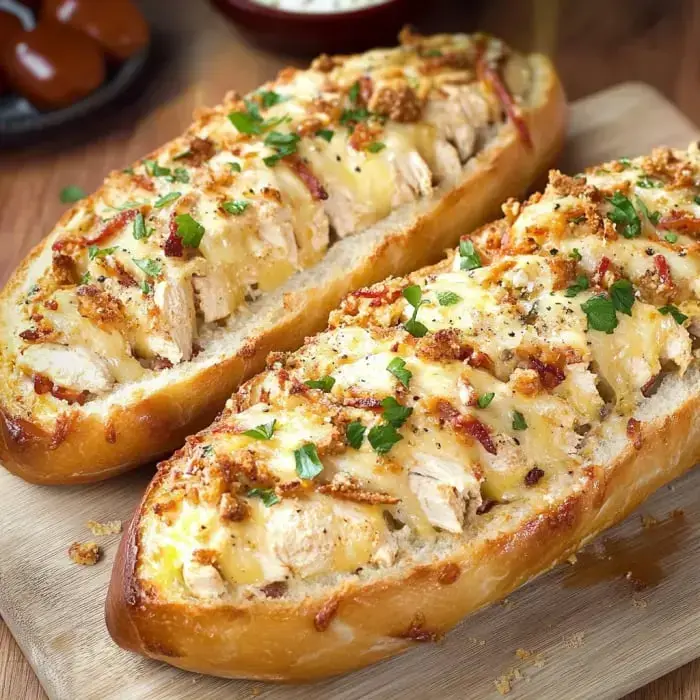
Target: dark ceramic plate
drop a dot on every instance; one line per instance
(307, 33)
(21, 122)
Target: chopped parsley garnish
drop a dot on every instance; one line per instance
(308, 465)
(246, 122)
(376, 146)
(432, 53)
(519, 422)
(647, 182)
(579, 285)
(97, 252)
(671, 237)
(678, 317)
(184, 154)
(624, 216)
(470, 259)
(696, 199)
(325, 134)
(146, 288)
(484, 401)
(235, 167)
(413, 295)
(207, 450)
(352, 116)
(236, 207)
(394, 413)
(325, 384)
(155, 169)
(166, 199)
(448, 298)
(625, 161)
(354, 92)
(267, 496)
(86, 277)
(283, 144)
(150, 267)
(397, 367)
(355, 434)
(71, 194)
(600, 312)
(264, 431)
(383, 437)
(652, 216)
(189, 230)
(128, 171)
(140, 230)
(270, 98)
(578, 219)
(575, 255)
(180, 175)
(622, 296)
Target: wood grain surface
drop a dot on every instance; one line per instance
(211, 57)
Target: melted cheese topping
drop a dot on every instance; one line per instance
(402, 424)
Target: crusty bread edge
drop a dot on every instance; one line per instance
(373, 621)
(153, 425)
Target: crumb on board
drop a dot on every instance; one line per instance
(536, 659)
(474, 640)
(574, 641)
(111, 527)
(507, 603)
(85, 553)
(639, 603)
(572, 559)
(649, 521)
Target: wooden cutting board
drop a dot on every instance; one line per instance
(581, 631)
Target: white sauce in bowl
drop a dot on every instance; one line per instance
(320, 6)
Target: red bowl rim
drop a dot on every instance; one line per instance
(308, 17)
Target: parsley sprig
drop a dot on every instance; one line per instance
(470, 259)
(413, 295)
(624, 216)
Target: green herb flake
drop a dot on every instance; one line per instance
(470, 259)
(267, 496)
(71, 194)
(578, 219)
(432, 53)
(140, 231)
(652, 216)
(352, 116)
(579, 285)
(696, 199)
(376, 146)
(413, 295)
(383, 437)
(283, 145)
(355, 434)
(519, 422)
(622, 296)
(448, 298)
(270, 98)
(575, 255)
(146, 287)
(189, 230)
(264, 431)
(678, 316)
(397, 367)
(325, 134)
(671, 237)
(235, 167)
(308, 465)
(354, 92)
(246, 123)
(165, 200)
(600, 312)
(325, 384)
(626, 162)
(180, 175)
(235, 207)
(97, 252)
(394, 413)
(484, 401)
(86, 277)
(624, 216)
(151, 267)
(647, 183)
(184, 154)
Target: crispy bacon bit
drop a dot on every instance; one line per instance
(481, 359)
(307, 176)
(51, 304)
(489, 74)
(468, 425)
(634, 432)
(42, 384)
(445, 344)
(417, 632)
(172, 247)
(276, 589)
(69, 395)
(603, 267)
(661, 265)
(363, 135)
(380, 294)
(486, 506)
(368, 402)
(63, 269)
(31, 334)
(649, 388)
(112, 227)
(551, 376)
(563, 272)
(526, 382)
(200, 151)
(400, 103)
(448, 573)
(159, 362)
(679, 221)
(533, 476)
(323, 617)
(143, 182)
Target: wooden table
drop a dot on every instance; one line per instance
(595, 44)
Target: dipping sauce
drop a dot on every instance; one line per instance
(320, 6)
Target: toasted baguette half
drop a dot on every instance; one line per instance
(450, 436)
(152, 300)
